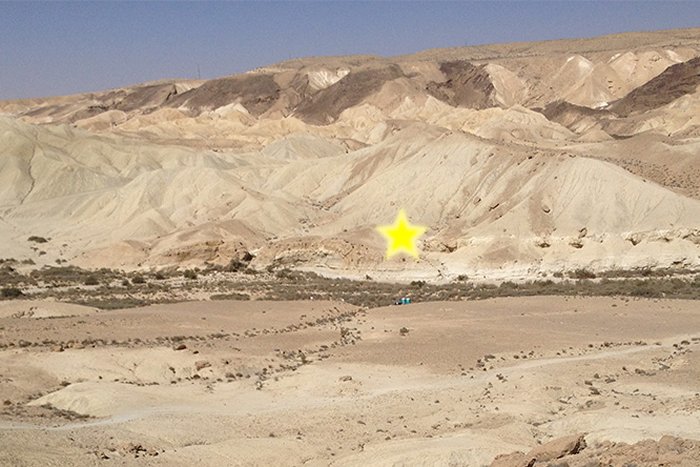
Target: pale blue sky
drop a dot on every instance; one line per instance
(60, 48)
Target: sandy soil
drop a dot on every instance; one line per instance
(322, 383)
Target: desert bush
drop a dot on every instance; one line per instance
(646, 272)
(189, 274)
(11, 292)
(138, 279)
(304, 277)
(236, 266)
(230, 296)
(37, 239)
(113, 303)
(582, 273)
(284, 274)
(71, 274)
(91, 280)
(643, 289)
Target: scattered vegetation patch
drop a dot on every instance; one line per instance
(581, 274)
(111, 289)
(37, 239)
(91, 280)
(190, 274)
(10, 292)
(63, 413)
(72, 275)
(138, 279)
(372, 294)
(230, 296)
(113, 303)
(647, 272)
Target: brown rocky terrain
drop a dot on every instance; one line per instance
(675, 82)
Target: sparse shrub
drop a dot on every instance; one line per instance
(114, 303)
(11, 292)
(138, 279)
(159, 276)
(582, 273)
(236, 266)
(284, 274)
(230, 296)
(189, 274)
(37, 239)
(418, 284)
(91, 280)
(125, 282)
(462, 277)
(643, 289)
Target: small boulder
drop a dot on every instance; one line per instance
(180, 347)
(345, 378)
(201, 364)
(558, 448)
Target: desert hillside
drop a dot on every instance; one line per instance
(519, 158)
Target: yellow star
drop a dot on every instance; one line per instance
(401, 236)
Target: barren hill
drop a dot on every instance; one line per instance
(520, 158)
